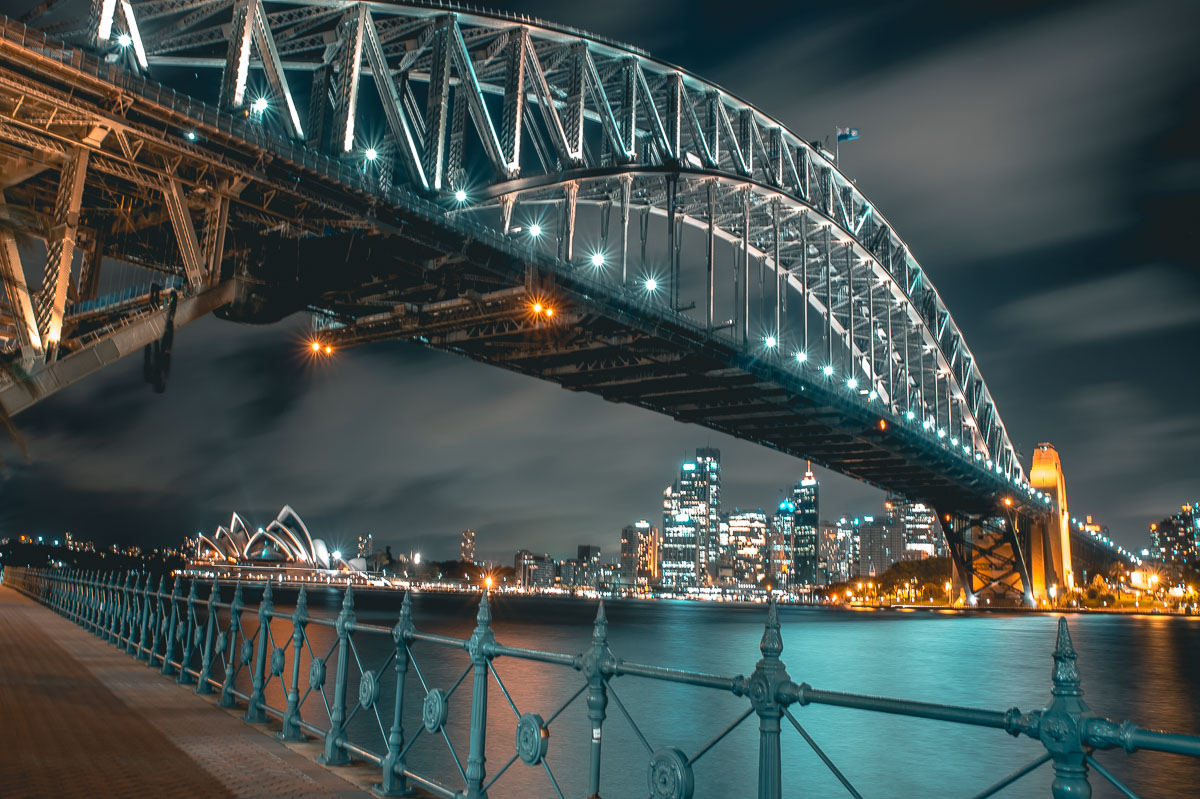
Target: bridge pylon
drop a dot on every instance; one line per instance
(1051, 541)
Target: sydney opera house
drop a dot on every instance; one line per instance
(285, 542)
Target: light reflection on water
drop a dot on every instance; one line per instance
(1140, 668)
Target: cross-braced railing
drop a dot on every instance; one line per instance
(185, 637)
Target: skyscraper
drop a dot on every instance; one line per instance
(466, 547)
(748, 546)
(639, 553)
(680, 543)
(880, 545)
(806, 523)
(922, 534)
(1177, 538)
(780, 542)
(692, 520)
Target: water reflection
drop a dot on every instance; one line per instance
(1132, 667)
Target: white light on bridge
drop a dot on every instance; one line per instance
(852, 382)
(336, 554)
(460, 195)
(372, 153)
(124, 40)
(597, 259)
(535, 230)
(651, 284)
(801, 356)
(827, 370)
(190, 135)
(770, 341)
(259, 105)
(941, 433)
(909, 415)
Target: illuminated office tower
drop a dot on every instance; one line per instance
(748, 546)
(805, 528)
(466, 548)
(639, 553)
(680, 542)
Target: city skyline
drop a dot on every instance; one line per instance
(1071, 299)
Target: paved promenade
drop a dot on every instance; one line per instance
(79, 718)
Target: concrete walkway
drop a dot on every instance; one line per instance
(80, 718)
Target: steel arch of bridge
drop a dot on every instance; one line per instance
(606, 123)
(536, 121)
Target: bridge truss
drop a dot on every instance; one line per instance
(698, 257)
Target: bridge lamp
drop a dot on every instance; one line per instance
(190, 135)
(328, 350)
(460, 195)
(827, 370)
(801, 356)
(770, 341)
(372, 153)
(874, 395)
(597, 259)
(1008, 502)
(315, 346)
(549, 312)
(941, 432)
(537, 307)
(259, 105)
(651, 284)
(852, 383)
(535, 230)
(954, 441)
(910, 416)
(124, 40)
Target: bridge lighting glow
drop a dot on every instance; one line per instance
(909, 415)
(537, 307)
(801, 356)
(1008, 501)
(259, 105)
(549, 312)
(124, 40)
(954, 441)
(770, 341)
(651, 284)
(874, 395)
(535, 230)
(190, 135)
(597, 259)
(460, 195)
(827, 370)
(852, 382)
(315, 346)
(372, 153)
(941, 433)
(336, 554)
(883, 424)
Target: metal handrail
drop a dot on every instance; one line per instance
(184, 637)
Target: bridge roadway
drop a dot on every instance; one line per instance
(70, 727)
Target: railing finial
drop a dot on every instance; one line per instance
(484, 617)
(772, 641)
(600, 626)
(1066, 670)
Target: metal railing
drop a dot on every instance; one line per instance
(210, 643)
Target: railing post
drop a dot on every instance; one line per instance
(110, 606)
(254, 709)
(210, 624)
(291, 717)
(170, 633)
(335, 753)
(394, 782)
(189, 637)
(479, 647)
(763, 688)
(93, 604)
(105, 606)
(131, 644)
(235, 626)
(156, 620)
(1061, 728)
(592, 665)
(142, 654)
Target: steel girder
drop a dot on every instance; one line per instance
(647, 117)
(660, 143)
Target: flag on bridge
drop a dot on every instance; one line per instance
(847, 134)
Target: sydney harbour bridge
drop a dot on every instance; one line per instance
(508, 189)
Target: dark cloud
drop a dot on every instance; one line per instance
(1041, 159)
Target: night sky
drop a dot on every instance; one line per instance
(1040, 159)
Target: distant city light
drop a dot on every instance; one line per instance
(259, 105)
(549, 312)
(372, 153)
(417, 559)
(460, 195)
(535, 230)
(124, 40)
(597, 259)
(770, 341)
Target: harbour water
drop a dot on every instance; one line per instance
(1133, 667)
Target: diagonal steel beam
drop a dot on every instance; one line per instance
(12, 278)
(61, 249)
(274, 69)
(393, 107)
(185, 232)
